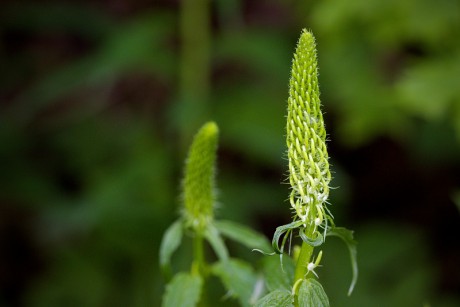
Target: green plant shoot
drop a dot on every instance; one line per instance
(198, 185)
(199, 197)
(309, 178)
(309, 173)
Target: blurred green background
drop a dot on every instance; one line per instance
(100, 99)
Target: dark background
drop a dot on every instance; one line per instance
(97, 111)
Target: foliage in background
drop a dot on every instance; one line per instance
(90, 150)
(404, 64)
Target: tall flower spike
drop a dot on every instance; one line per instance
(198, 185)
(309, 173)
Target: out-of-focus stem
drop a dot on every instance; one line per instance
(198, 261)
(195, 66)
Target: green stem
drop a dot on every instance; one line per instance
(199, 265)
(304, 258)
(195, 65)
(198, 261)
(301, 270)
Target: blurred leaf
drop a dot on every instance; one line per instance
(277, 276)
(279, 298)
(243, 234)
(184, 290)
(311, 294)
(238, 277)
(170, 242)
(212, 235)
(428, 89)
(394, 58)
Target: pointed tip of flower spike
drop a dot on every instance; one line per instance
(210, 129)
(198, 184)
(307, 34)
(307, 41)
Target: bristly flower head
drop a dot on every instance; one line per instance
(198, 185)
(309, 173)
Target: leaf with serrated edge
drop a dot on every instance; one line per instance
(347, 237)
(238, 277)
(184, 290)
(311, 294)
(170, 242)
(243, 234)
(278, 298)
(213, 236)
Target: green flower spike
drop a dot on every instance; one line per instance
(309, 173)
(198, 186)
(309, 177)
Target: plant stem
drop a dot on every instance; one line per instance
(198, 261)
(301, 269)
(199, 265)
(195, 66)
(304, 258)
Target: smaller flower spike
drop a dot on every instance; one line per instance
(309, 173)
(198, 186)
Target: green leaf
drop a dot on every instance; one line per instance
(184, 290)
(280, 231)
(347, 237)
(243, 234)
(170, 242)
(239, 279)
(278, 298)
(311, 294)
(276, 276)
(213, 236)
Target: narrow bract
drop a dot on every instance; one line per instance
(309, 173)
